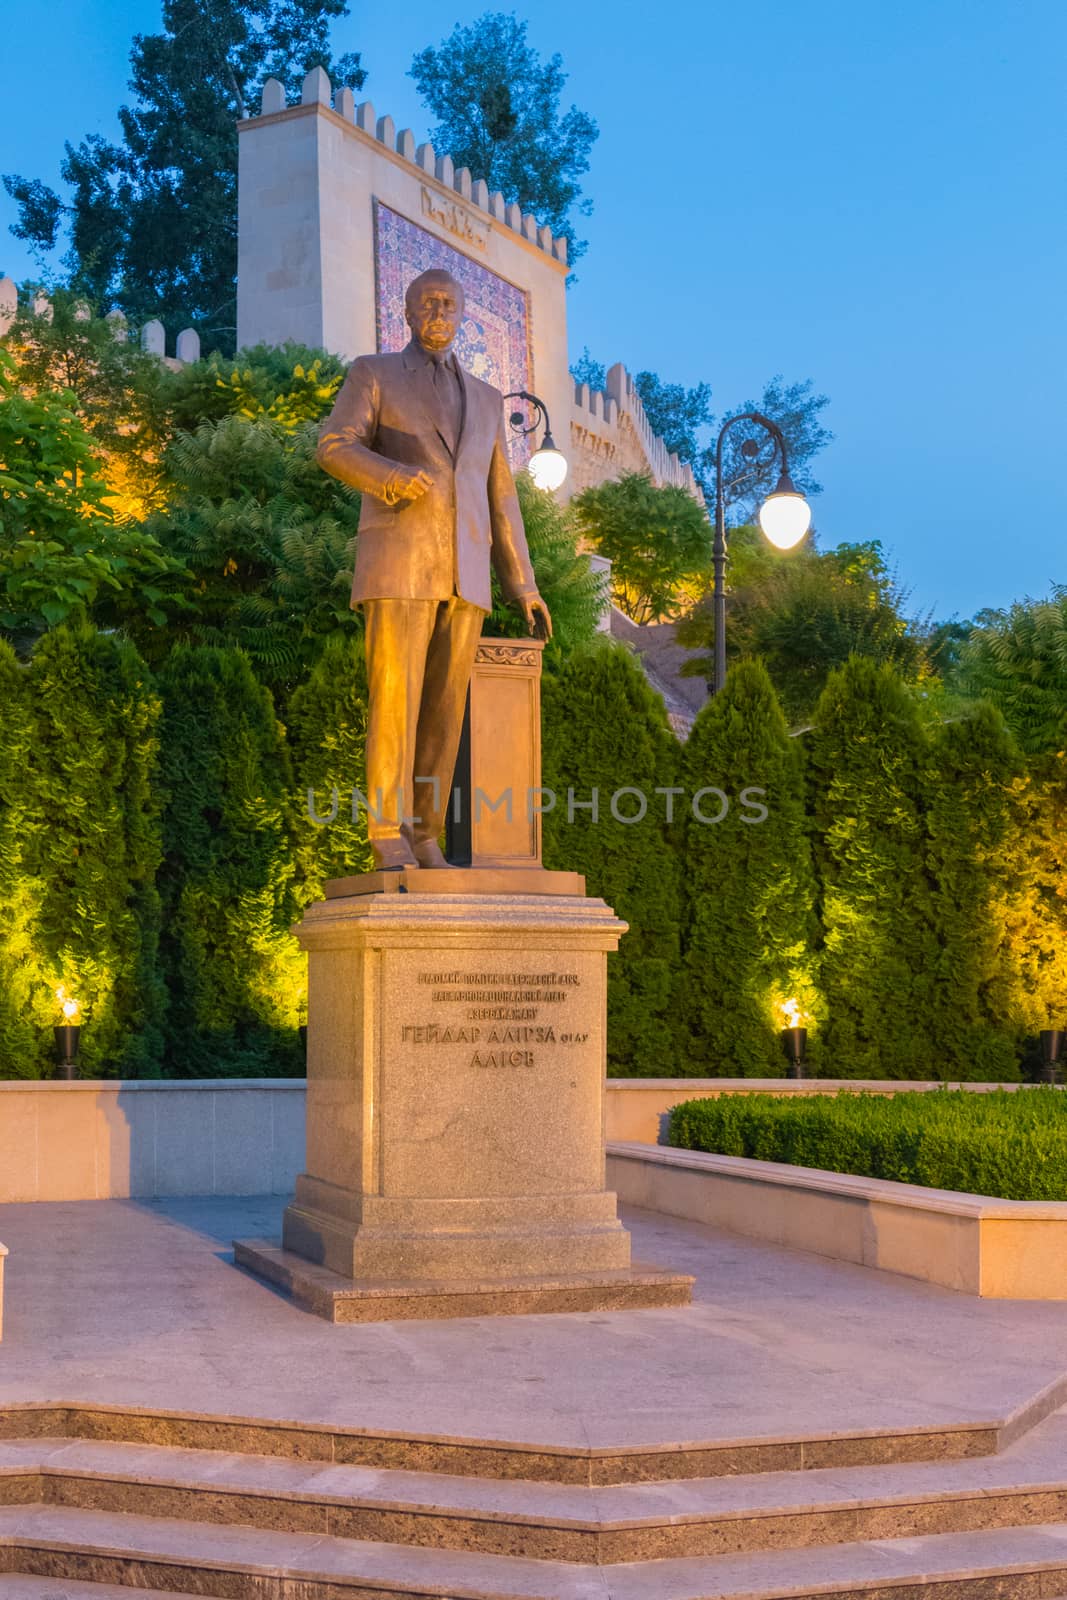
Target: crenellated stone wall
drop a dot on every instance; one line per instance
(611, 435)
(311, 179)
(153, 335)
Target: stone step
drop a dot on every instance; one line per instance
(174, 1558)
(1025, 1486)
(535, 1461)
(21, 1586)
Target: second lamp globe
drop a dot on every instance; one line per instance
(785, 515)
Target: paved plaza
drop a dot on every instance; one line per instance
(138, 1302)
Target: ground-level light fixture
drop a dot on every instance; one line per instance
(794, 1038)
(548, 465)
(67, 1035)
(785, 518)
(1053, 1041)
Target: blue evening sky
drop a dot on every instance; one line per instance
(869, 195)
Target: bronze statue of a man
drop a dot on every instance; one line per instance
(423, 441)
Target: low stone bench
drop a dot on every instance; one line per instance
(998, 1249)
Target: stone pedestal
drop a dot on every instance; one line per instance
(495, 819)
(455, 1149)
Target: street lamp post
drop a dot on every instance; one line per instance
(548, 465)
(785, 518)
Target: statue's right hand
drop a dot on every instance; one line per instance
(410, 485)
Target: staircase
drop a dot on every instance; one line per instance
(89, 1517)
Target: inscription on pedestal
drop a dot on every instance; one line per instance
(503, 1055)
(502, 1015)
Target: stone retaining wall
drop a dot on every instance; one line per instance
(998, 1249)
(100, 1140)
(97, 1139)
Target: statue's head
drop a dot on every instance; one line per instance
(433, 307)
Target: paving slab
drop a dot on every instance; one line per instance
(139, 1303)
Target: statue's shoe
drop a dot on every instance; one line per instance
(428, 853)
(391, 854)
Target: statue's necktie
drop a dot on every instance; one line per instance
(446, 385)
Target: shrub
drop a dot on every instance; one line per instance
(235, 973)
(977, 850)
(572, 593)
(605, 729)
(867, 764)
(748, 883)
(326, 722)
(1010, 1145)
(27, 1010)
(95, 845)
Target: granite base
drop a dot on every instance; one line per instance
(341, 1299)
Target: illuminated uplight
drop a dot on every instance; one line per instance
(548, 466)
(67, 1004)
(792, 1015)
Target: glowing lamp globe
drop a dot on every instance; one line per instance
(548, 466)
(785, 515)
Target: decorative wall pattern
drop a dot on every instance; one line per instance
(494, 341)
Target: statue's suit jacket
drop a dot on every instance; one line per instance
(386, 419)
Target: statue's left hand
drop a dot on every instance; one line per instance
(538, 620)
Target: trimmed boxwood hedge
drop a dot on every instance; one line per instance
(1010, 1144)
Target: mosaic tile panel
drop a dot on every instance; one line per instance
(494, 341)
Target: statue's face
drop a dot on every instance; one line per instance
(434, 311)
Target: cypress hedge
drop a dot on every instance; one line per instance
(749, 885)
(95, 847)
(1037, 914)
(27, 1008)
(326, 722)
(976, 854)
(235, 973)
(604, 730)
(867, 760)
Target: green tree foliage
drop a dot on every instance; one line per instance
(750, 890)
(326, 722)
(978, 860)
(588, 370)
(606, 730)
(1018, 659)
(95, 846)
(797, 410)
(63, 554)
(288, 384)
(679, 415)
(570, 590)
(152, 221)
(657, 540)
(234, 972)
(867, 761)
(115, 390)
(805, 614)
(684, 419)
(269, 539)
(497, 106)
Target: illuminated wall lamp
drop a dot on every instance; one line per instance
(548, 465)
